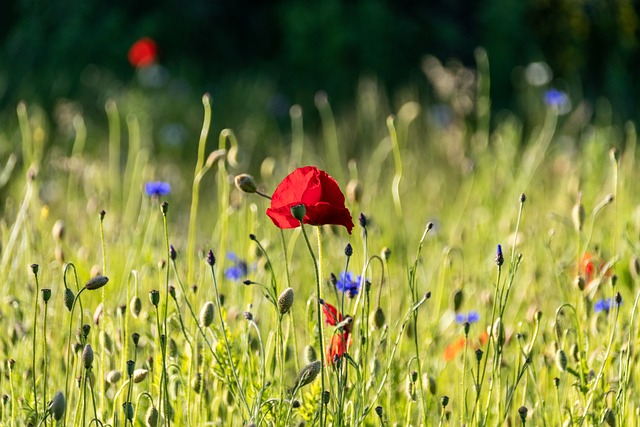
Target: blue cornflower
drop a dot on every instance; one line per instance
(157, 188)
(471, 317)
(604, 305)
(557, 99)
(347, 284)
(238, 270)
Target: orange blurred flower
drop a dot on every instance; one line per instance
(591, 267)
(143, 52)
(452, 350)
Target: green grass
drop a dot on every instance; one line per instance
(439, 196)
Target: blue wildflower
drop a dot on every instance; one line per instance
(471, 317)
(604, 305)
(238, 270)
(157, 188)
(347, 284)
(558, 99)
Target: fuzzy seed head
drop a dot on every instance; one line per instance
(87, 356)
(310, 354)
(307, 374)
(206, 314)
(285, 301)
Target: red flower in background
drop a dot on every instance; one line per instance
(317, 191)
(143, 52)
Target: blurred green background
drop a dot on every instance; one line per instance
(78, 50)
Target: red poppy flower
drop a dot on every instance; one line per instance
(331, 314)
(591, 267)
(338, 346)
(317, 191)
(143, 52)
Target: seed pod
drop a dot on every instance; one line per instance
(285, 301)
(310, 354)
(151, 419)
(206, 314)
(96, 282)
(139, 375)
(46, 294)
(135, 306)
(378, 318)
(113, 376)
(87, 356)
(69, 298)
(522, 411)
(57, 406)
(154, 297)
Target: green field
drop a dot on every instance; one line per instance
(442, 330)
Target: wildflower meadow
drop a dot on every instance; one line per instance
(412, 261)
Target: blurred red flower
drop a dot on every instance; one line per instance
(143, 52)
(317, 191)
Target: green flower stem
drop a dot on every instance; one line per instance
(226, 342)
(33, 355)
(195, 189)
(292, 317)
(316, 266)
(79, 301)
(44, 356)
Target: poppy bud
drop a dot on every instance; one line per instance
(196, 383)
(135, 337)
(561, 360)
(285, 301)
(96, 282)
(578, 214)
(354, 191)
(113, 376)
(299, 211)
(139, 375)
(378, 318)
(58, 230)
(363, 220)
(172, 253)
(246, 183)
(154, 297)
(523, 198)
(326, 397)
(87, 356)
(151, 419)
(307, 375)
(310, 354)
(458, 297)
(135, 306)
(579, 282)
(127, 407)
(348, 250)
(164, 207)
(206, 314)
(85, 330)
(609, 417)
(57, 406)
(69, 297)
(102, 214)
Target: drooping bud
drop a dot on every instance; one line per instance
(285, 301)
(246, 183)
(378, 318)
(113, 376)
(127, 407)
(57, 406)
(354, 191)
(561, 360)
(578, 214)
(307, 375)
(139, 375)
(69, 297)
(58, 231)
(135, 306)
(458, 297)
(96, 282)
